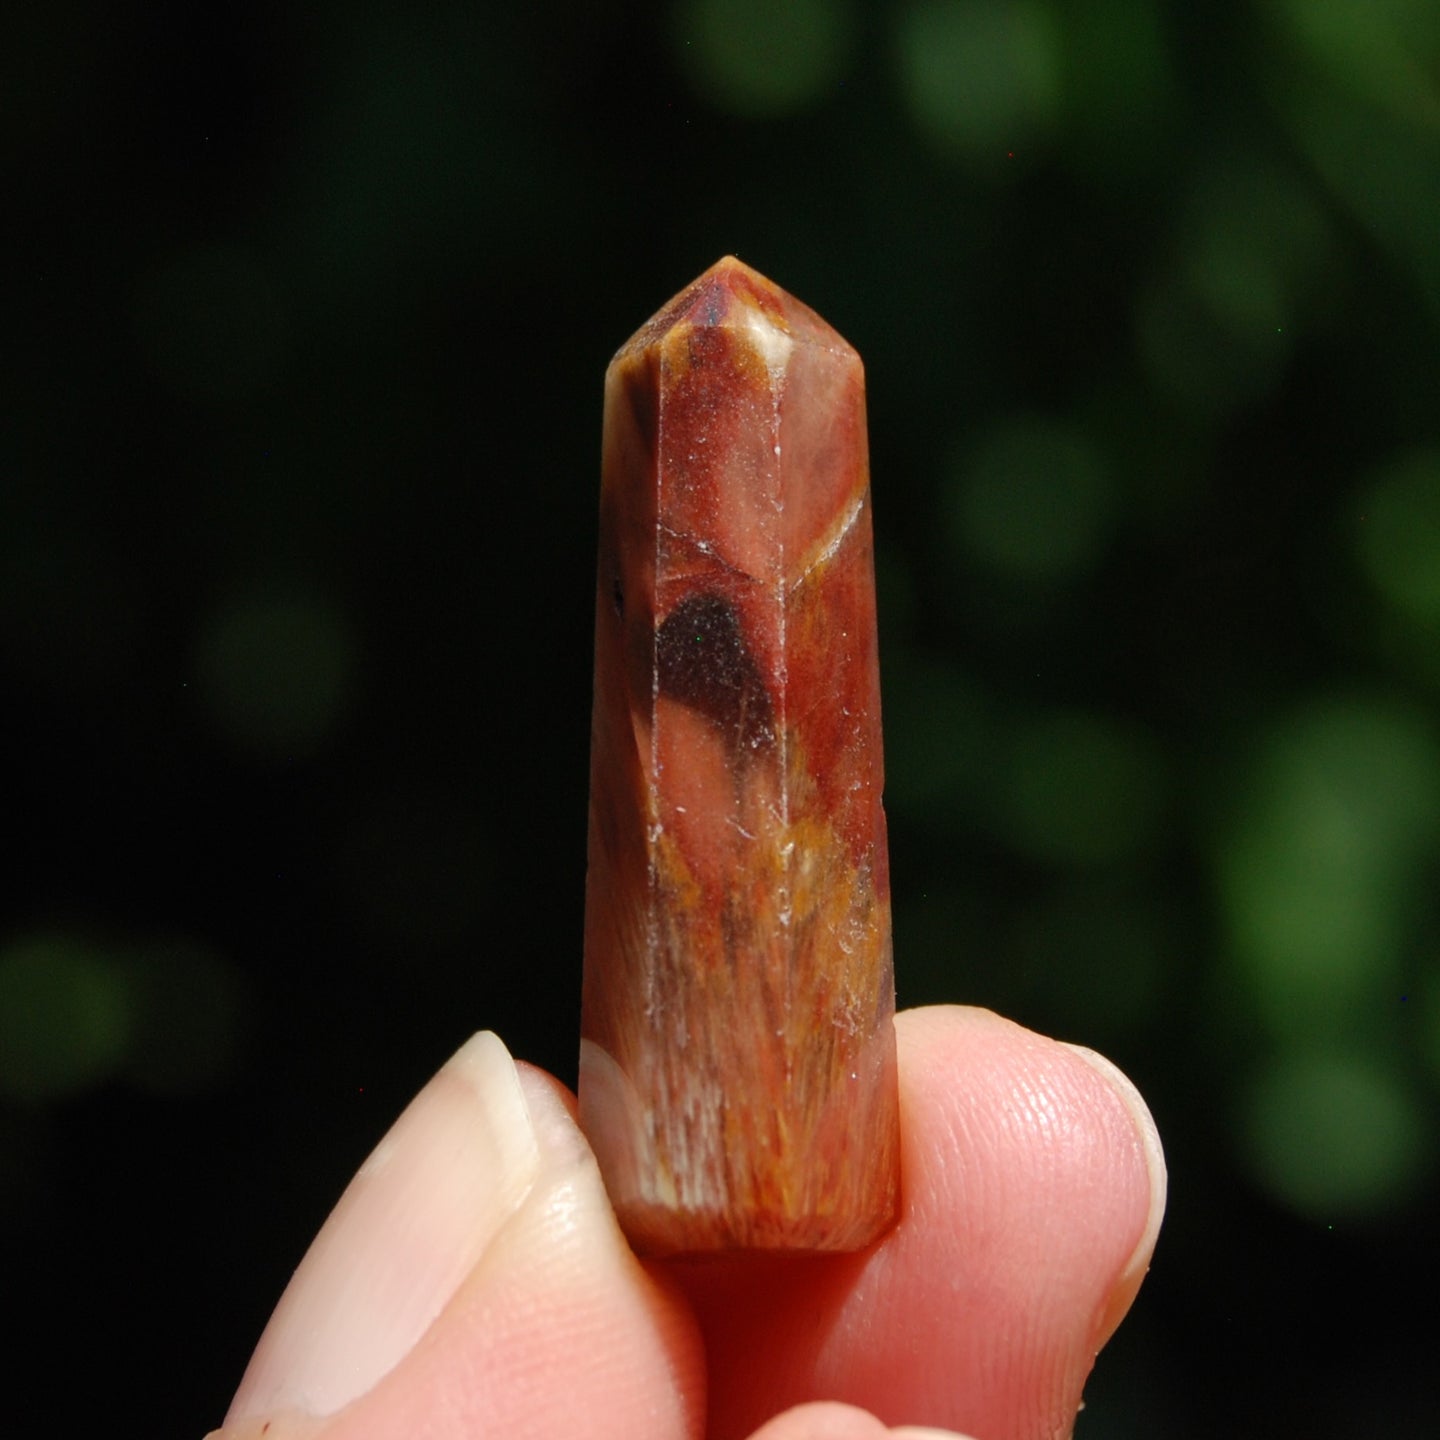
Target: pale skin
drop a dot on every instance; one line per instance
(473, 1281)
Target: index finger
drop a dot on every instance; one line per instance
(1034, 1186)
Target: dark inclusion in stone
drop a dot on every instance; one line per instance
(704, 663)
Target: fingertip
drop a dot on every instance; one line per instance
(1035, 1181)
(1030, 1084)
(520, 1308)
(822, 1420)
(1147, 1134)
(926, 1432)
(830, 1420)
(409, 1227)
(535, 1078)
(559, 1329)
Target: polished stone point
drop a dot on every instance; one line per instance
(737, 1067)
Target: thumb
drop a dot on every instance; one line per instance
(472, 1280)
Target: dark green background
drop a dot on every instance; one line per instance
(305, 321)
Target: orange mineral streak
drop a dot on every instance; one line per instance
(737, 1070)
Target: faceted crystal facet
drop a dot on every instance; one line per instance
(737, 1073)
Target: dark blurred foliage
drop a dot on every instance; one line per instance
(305, 321)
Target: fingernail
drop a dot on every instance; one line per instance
(1123, 1293)
(411, 1225)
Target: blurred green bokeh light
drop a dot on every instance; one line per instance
(763, 60)
(980, 78)
(1373, 49)
(1398, 534)
(1081, 789)
(1335, 1137)
(1032, 501)
(64, 1016)
(1318, 863)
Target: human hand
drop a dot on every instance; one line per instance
(472, 1280)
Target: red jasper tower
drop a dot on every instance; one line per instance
(737, 1075)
